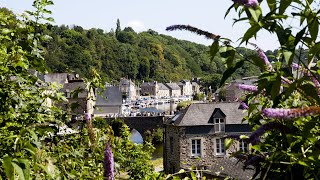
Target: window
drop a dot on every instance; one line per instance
(196, 147)
(218, 124)
(220, 146)
(243, 146)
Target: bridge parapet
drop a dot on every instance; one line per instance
(142, 123)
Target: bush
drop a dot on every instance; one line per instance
(183, 104)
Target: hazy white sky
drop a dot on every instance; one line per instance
(149, 14)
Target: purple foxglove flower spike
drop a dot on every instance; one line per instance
(255, 136)
(315, 81)
(265, 59)
(194, 30)
(285, 80)
(90, 129)
(250, 88)
(244, 105)
(88, 116)
(254, 160)
(247, 3)
(108, 164)
(295, 66)
(279, 113)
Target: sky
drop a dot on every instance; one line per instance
(142, 15)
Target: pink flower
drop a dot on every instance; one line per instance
(108, 164)
(88, 116)
(279, 113)
(244, 105)
(250, 88)
(247, 3)
(251, 3)
(265, 59)
(255, 136)
(295, 66)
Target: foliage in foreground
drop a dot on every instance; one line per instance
(29, 145)
(284, 107)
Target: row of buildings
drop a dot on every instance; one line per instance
(159, 90)
(110, 100)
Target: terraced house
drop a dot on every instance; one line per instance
(195, 137)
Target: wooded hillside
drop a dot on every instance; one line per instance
(139, 56)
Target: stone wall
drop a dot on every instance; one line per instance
(181, 155)
(171, 148)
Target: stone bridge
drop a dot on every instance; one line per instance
(142, 123)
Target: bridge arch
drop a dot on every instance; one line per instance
(142, 124)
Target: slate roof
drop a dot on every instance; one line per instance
(111, 96)
(162, 86)
(198, 114)
(124, 82)
(148, 84)
(173, 86)
(73, 86)
(109, 101)
(230, 167)
(59, 78)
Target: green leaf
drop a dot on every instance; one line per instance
(252, 31)
(227, 12)
(256, 147)
(288, 56)
(310, 92)
(257, 61)
(18, 170)
(228, 142)
(230, 71)
(275, 90)
(284, 4)
(303, 163)
(299, 36)
(313, 51)
(244, 137)
(8, 167)
(214, 49)
(272, 4)
(228, 53)
(255, 13)
(313, 26)
(26, 169)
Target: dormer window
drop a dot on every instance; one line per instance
(219, 125)
(218, 118)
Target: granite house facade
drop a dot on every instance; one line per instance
(195, 137)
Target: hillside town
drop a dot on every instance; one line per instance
(198, 131)
(85, 96)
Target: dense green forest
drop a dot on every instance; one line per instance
(140, 56)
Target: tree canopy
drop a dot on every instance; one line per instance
(126, 53)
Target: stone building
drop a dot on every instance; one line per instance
(108, 102)
(186, 88)
(195, 137)
(149, 88)
(80, 99)
(232, 92)
(174, 89)
(163, 90)
(128, 89)
(195, 88)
